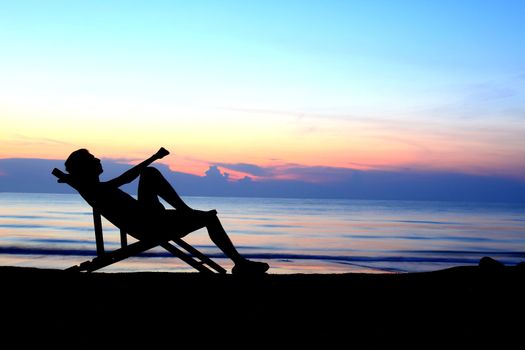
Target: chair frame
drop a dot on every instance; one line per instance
(179, 248)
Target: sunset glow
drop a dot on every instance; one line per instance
(423, 86)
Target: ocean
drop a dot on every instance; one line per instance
(292, 235)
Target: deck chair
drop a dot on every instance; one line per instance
(176, 246)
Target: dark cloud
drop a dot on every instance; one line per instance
(213, 173)
(34, 175)
(292, 172)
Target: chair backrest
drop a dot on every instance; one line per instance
(97, 219)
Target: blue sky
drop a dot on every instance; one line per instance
(432, 86)
(325, 50)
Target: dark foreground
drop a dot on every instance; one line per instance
(462, 307)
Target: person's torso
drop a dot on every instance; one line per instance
(118, 207)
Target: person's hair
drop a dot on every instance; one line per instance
(76, 162)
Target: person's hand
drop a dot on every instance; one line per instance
(161, 153)
(62, 177)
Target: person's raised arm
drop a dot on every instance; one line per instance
(135, 172)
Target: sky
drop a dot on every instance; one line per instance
(263, 88)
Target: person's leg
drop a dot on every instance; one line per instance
(153, 185)
(221, 239)
(196, 219)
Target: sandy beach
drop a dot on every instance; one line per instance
(461, 306)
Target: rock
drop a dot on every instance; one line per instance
(491, 265)
(521, 267)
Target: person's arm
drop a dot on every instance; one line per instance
(135, 172)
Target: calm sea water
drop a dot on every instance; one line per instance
(292, 235)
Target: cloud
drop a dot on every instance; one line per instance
(250, 169)
(29, 175)
(213, 173)
(314, 174)
(23, 140)
(290, 180)
(286, 171)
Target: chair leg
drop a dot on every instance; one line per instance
(114, 256)
(141, 246)
(186, 258)
(192, 250)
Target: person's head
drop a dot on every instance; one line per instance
(83, 164)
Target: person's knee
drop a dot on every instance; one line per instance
(149, 176)
(151, 172)
(211, 219)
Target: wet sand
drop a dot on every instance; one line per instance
(461, 307)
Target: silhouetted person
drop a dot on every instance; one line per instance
(146, 216)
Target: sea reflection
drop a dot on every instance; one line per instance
(292, 235)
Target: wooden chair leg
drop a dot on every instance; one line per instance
(192, 250)
(186, 258)
(114, 256)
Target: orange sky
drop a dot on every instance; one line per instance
(208, 137)
(433, 87)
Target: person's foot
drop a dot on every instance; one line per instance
(250, 268)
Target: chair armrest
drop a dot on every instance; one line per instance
(62, 177)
